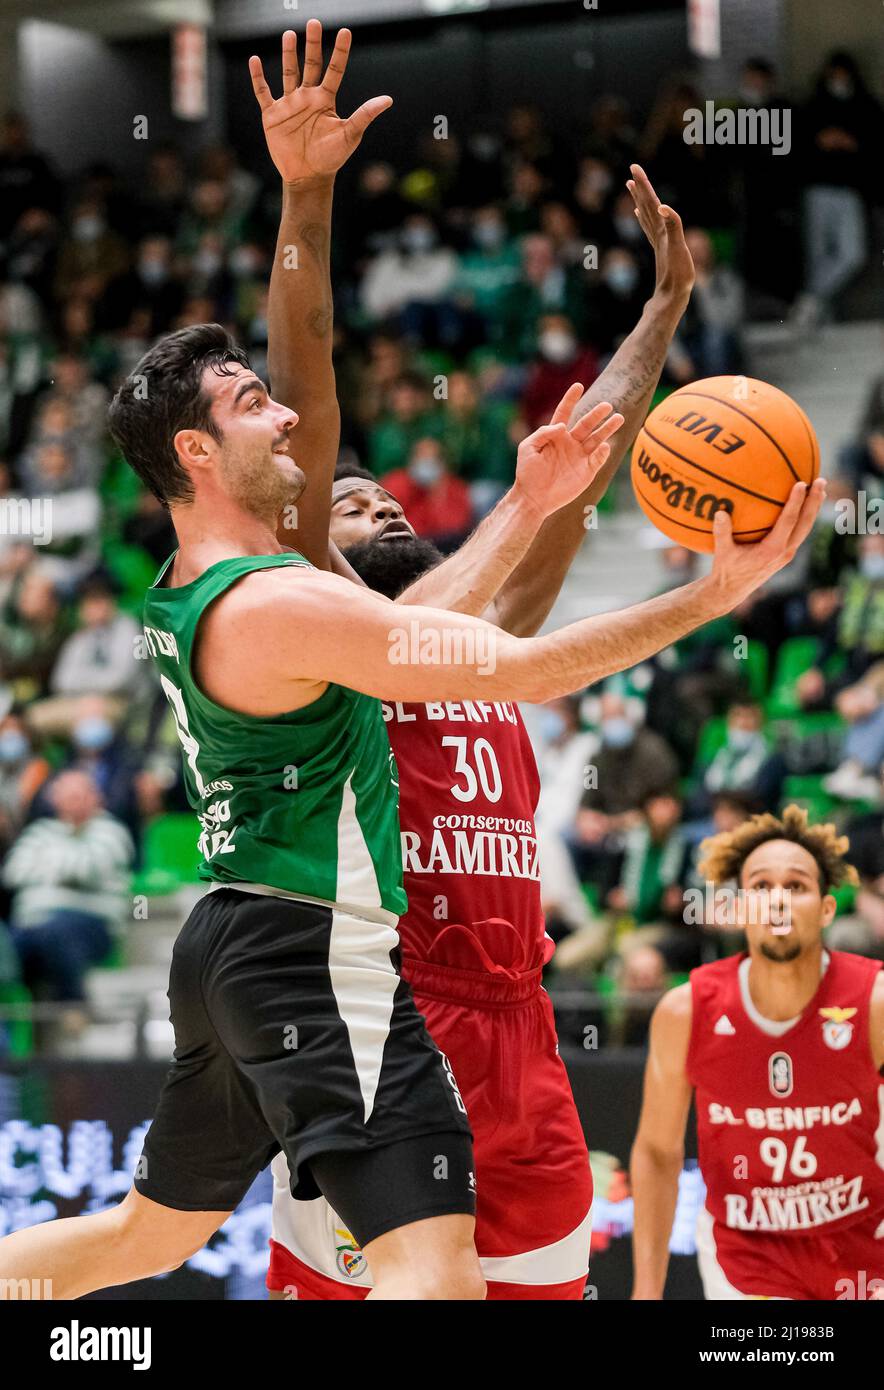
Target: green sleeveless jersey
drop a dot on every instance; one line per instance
(305, 803)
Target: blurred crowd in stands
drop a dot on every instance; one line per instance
(472, 287)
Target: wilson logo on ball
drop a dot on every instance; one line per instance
(681, 494)
(726, 443)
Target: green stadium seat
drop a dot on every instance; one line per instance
(757, 669)
(19, 1032)
(845, 897)
(801, 785)
(171, 856)
(121, 490)
(796, 655)
(134, 571)
(724, 240)
(713, 736)
(114, 959)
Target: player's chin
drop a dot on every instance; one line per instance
(292, 472)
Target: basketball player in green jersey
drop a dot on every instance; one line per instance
(293, 1031)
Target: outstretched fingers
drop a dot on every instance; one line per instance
(599, 424)
(291, 73)
(337, 63)
(359, 122)
(259, 83)
(563, 411)
(313, 54)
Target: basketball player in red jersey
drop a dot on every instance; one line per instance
(783, 1048)
(473, 941)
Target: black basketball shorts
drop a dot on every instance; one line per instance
(294, 1032)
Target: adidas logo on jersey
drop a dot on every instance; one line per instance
(724, 1028)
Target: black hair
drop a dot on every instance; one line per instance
(165, 394)
(343, 469)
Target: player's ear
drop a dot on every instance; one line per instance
(830, 907)
(192, 447)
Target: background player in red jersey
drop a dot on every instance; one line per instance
(473, 940)
(783, 1047)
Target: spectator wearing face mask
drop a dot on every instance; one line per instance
(56, 478)
(711, 330)
(631, 763)
(69, 876)
(693, 679)
(564, 750)
(152, 285)
(855, 630)
(100, 749)
(476, 436)
(745, 762)
(411, 284)
(437, 504)
(616, 304)
(561, 360)
(648, 876)
(845, 127)
(408, 417)
(489, 267)
(92, 256)
(544, 287)
(22, 773)
(101, 658)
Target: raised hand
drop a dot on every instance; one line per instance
(305, 135)
(557, 463)
(661, 224)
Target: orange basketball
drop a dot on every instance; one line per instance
(728, 441)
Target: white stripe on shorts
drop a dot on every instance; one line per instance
(716, 1285)
(364, 982)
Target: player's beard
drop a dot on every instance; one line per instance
(261, 488)
(390, 566)
(781, 957)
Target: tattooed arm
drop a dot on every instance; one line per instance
(628, 382)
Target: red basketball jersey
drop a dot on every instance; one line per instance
(790, 1127)
(467, 797)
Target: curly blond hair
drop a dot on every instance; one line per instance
(722, 856)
